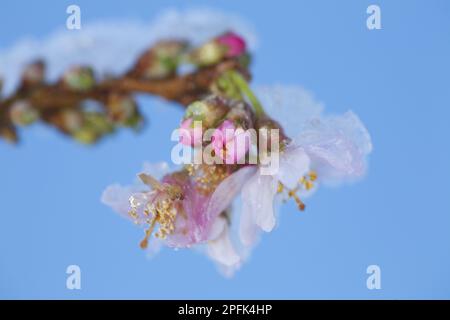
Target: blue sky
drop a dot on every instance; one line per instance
(396, 79)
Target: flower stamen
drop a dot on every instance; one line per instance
(207, 177)
(305, 182)
(161, 210)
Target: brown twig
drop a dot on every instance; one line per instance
(49, 98)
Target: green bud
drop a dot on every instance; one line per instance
(136, 122)
(23, 114)
(71, 120)
(79, 78)
(160, 61)
(208, 54)
(98, 122)
(210, 111)
(86, 135)
(241, 115)
(122, 110)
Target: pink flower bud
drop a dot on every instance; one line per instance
(230, 143)
(235, 44)
(190, 133)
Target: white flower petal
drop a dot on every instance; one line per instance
(291, 105)
(116, 197)
(352, 127)
(294, 164)
(337, 147)
(248, 230)
(217, 228)
(257, 205)
(227, 191)
(221, 249)
(156, 170)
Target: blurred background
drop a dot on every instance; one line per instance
(396, 79)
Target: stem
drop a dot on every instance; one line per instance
(247, 91)
(48, 99)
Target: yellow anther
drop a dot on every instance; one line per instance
(280, 187)
(162, 210)
(308, 185)
(207, 177)
(148, 233)
(305, 182)
(312, 175)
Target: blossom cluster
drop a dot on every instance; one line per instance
(223, 206)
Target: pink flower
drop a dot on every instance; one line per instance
(235, 44)
(178, 211)
(190, 135)
(230, 143)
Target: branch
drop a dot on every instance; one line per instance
(60, 105)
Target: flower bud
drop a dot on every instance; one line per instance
(98, 122)
(208, 54)
(123, 110)
(209, 111)
(241, 115)
(160, 61)
(8, 133)
(268, 124)
(79, 78)
(190, 133)
(70, 120)
(33, 74)
(230, 143)
(170, 49)
(136, 122)
(86, 135)
(120, 107)
(228, 45)
(22, 113)
(233, 43)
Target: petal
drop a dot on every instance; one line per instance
(217, 140)
(248, 230)
(257, 205)
(291, 105)
(226, 125)
(156, 170)
(237, 147)
(221, 249)
(190, 134)
(337, 147)
(227, 190)
(117, 197)
(234, 43)
(186, 133)
(201, 211)
(294, 164)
